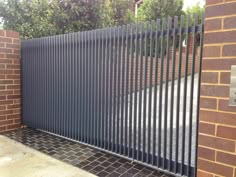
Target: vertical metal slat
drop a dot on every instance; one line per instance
(172, 93)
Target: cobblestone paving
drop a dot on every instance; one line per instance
(97, 162)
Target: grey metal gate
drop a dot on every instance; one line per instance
(132, 90)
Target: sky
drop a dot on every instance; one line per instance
(189, 3)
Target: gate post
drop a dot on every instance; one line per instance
(10, 97)
(217, 127)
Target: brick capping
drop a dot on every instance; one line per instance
(217, 126)
(10, 99)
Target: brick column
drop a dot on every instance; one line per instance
(10, 101)
(217, 128)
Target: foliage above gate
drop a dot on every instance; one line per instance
(37, 18)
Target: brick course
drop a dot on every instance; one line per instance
(10, 99)
(217, 126)
(214, 24)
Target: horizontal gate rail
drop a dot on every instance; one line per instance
(131, 90)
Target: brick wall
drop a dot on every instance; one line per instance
(148, 68)
(10, 102)
(217, 127)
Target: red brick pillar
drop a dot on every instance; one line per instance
(217, 128)
(10, 99)
(190, 49)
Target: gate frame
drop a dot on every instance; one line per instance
(45, 48)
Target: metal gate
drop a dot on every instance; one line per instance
(132, 90)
